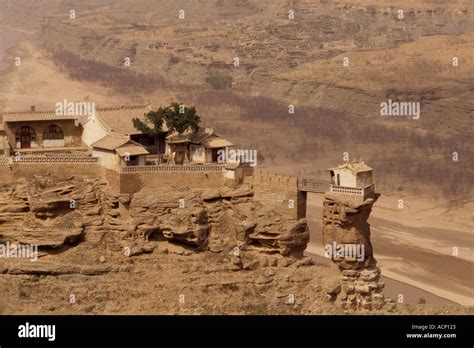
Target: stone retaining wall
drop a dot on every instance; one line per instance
(280, 192)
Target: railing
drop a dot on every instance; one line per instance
(49, 160)
(215, 168)
(62, 154)
(313, 185)
(362, 191)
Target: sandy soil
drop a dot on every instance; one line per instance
(8, 38)
(409, 248)
(39, 82)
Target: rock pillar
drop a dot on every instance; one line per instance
(346, 239)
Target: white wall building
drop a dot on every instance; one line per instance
(116, 150)
(351, 174)
(352, 179)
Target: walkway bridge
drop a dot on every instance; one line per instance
(313, 185)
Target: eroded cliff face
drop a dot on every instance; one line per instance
(345, 222)
(51, 212)
(216, 219)
(346, 236)
(173, 250)
(159, 251)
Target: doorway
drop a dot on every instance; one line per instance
(25, 136)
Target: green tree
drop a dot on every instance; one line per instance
(178, 118)
(152, 126)
(153, 118)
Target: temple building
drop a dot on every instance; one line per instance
(39, 132)
(196, 147)
(116, 150)
(118, 120)
(352, 180)
(108, 134)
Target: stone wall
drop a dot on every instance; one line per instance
(113, 179)
(134, 182)
(11, 172)
(278, 192)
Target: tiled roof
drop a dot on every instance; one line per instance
(132, 149)
(354, 166)
(216, 142)
(119, 119)
(25, 116)
(111, 141)
(121, 144)
(205, 137)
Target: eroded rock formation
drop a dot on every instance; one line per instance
(215, 220)
(55, 213)
(50, 212)
(223, 252)
(346, 237)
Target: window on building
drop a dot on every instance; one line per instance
(53, 132)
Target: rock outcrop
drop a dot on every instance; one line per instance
(50, 212)
(216, 220)
(196, 242)
(346, 223)
(53, 213)
(346, 237)
(116, 254)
